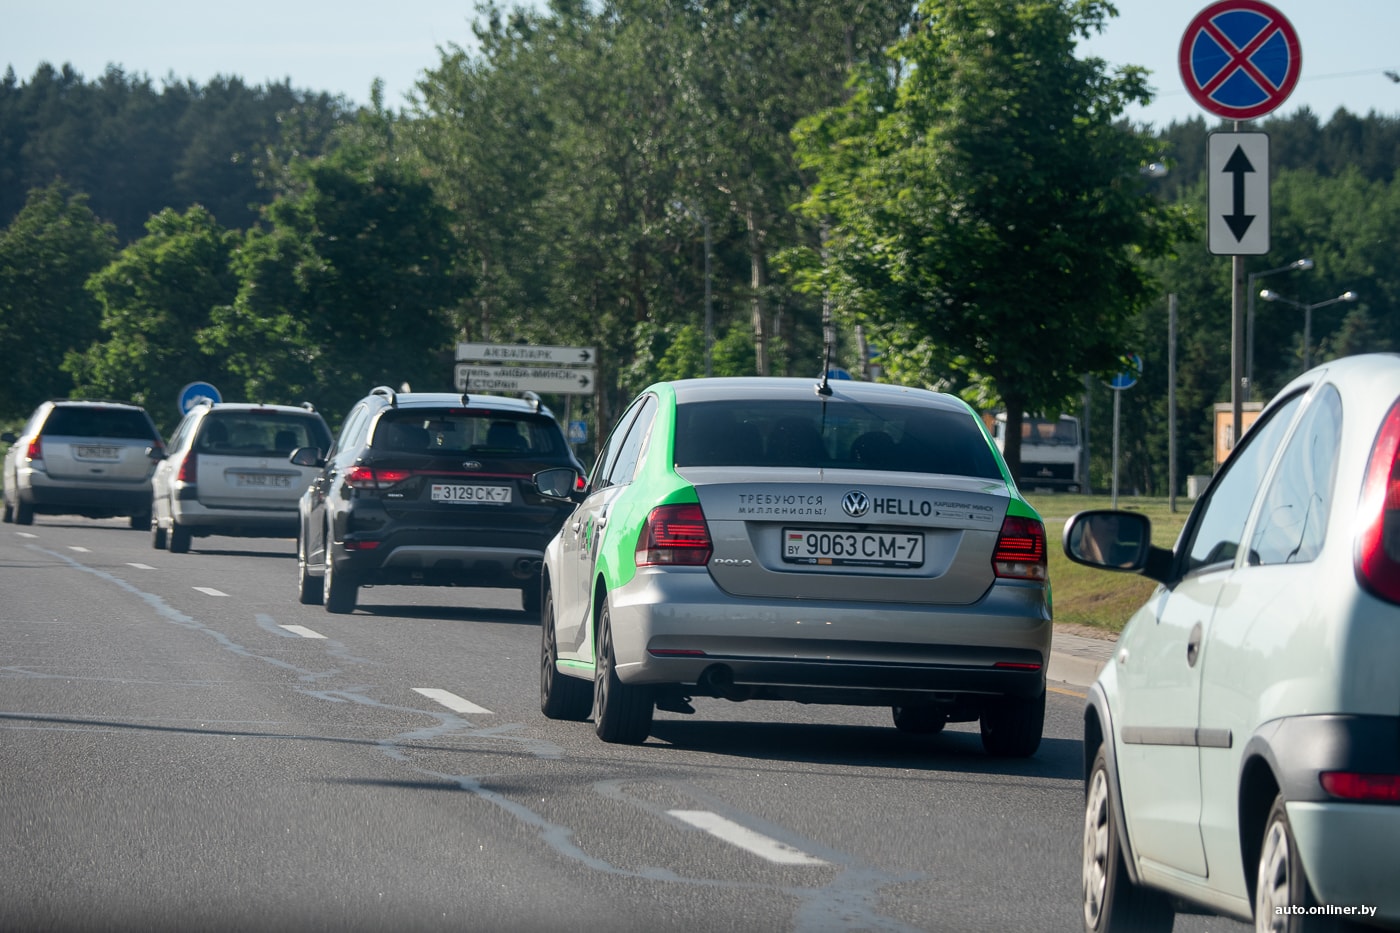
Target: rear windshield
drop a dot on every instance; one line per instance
(902, 438)
(260, 433)
(468, 432)
(1061, 433)
(81, 421)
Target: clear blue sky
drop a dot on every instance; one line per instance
(342, 46)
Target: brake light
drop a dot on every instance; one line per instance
(1020, 551)
(35, 450)
(364, 477)
(1377, 559)
(189, 470)
(1349, 785)
(674, 535)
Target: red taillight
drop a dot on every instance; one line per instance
(674, 534)
(1020, 551)
(36, 449)
(363, 477)
(1349, 785)
(1378, 544)
(189, 470)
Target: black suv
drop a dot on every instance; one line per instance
(434, 489)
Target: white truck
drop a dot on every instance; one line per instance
(1051, 451)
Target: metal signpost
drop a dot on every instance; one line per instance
(1240, 59)
(1124, 380)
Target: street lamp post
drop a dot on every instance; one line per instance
(1298, 264)
(1268, 295)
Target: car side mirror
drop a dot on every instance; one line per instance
(563, 484)
(1109, 539)
(307, 457)
(9, 437)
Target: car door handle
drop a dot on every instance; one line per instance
(1193, 645)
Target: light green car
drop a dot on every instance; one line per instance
(1242, 750)
(771, 539)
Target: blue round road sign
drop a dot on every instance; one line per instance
(194, 392)
(1240, 59)
(1129, 377)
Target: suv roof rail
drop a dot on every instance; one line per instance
(201, 401)
(533, 399)
(388, 393)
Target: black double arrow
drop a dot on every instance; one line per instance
(1238, 165)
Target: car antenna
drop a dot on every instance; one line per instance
(824, 387)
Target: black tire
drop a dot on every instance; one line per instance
(1281, 881)
(24, 513)
(561, 696)
(158, 539)
(179, 538)
(311, 591)
(1111, 902)
(919, 720)
(621, 713)
(9, 515)
(1012, 726)
(341, 589)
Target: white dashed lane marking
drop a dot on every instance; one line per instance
(79, 549)
(756, 843)
(450, 700)
(140, 566)
(303, 631)
(210, 591)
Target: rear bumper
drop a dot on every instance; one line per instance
(441, 558)
(1350, 852)
(679, 627)
(60, 497)
(202, 520)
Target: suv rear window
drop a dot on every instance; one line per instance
(846, 436)
(468, 432)
(260, 433)
(82, 421)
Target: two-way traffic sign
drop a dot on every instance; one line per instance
(1239, 194)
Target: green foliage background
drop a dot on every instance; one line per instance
(954, 187)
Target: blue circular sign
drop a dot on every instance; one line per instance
(1129, 377)
(1240, 59)
(194, 392)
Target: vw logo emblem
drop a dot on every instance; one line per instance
(471, 464)
(855, 503)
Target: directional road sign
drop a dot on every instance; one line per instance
(517, 379)
(520, 353)
(1240, 59)
(1239, 194)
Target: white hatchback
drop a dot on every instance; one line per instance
(1243, 746)
(229, 472)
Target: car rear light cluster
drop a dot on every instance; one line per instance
(189, 468)
(1020, 551)
(674, 535)
(365, 477)
(35, 452)
(1377, 559)
(1350, 785)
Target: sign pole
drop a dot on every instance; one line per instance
(1117, 404)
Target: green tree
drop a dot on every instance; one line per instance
(348, 288)
(988, 216)
(157, 298)
(46, 255)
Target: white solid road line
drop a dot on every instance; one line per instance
(745, 838)
(210, 591)
(450, 700)
(302, 630)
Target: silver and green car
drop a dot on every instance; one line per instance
(771, 539)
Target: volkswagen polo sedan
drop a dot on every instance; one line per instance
(768, 539)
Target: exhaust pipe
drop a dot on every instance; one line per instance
(527, 567)
(718, 680)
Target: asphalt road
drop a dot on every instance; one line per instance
(185, 747)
